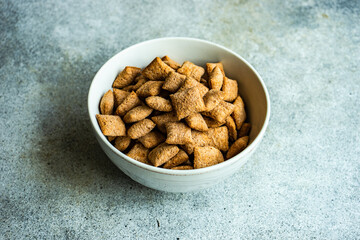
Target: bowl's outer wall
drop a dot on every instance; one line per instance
(180, 49)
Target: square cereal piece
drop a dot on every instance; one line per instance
(157, 70)
(212, 123)
(111, 125)
(186, 102)
(140, 128)
(137, 113)
(230, 124)
(159, 103)
(191, 82)
(191, 70)
(219, 137)
(122, 143)
(152, 139)
(230, 89)
(197, 122)
(244, 130)
(161, 120)
(178, 133)
(221, 111)
(126, 77)
(237, 147)
(139, 153)
(212, 98)
(150, 88)
(216, 79)
(119, 96)
(207, 156)
(239, 113)
(178, 159)
(129, 103)
(174, 65)
(210, 67)
(183, 167)
(107, 103)
(162, 153)
(173, 81)
(200, 139)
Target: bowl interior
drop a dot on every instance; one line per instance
(197, 51)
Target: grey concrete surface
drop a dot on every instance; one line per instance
(302, 182)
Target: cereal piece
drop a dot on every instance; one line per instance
(212, 123)
(239, 113)
(110, 138)
(137, 113)
(107, 103)
(152, 139)
(191, 82)
(216, 79)
(221, 111)
(140, 80)
(230, 124)
(186, 102)
(122, 143)
(191, 70)
(174, 65)
(173, 81)
(219, 137)
(184, 167)
(129, 103)
(197, 122)
(159, 103)
(178, 133)
(140, 128)
(200, 139)
(212, 99)
(120, 96)
(161, 120)
(237, 147)
(178, 159)
(230, 89)
(126, 77)
(139, 153)
(210, 67)
(150, 88)
(162, 153)
(157, 70)
(207, 156)
(111, 125)
(244, 130)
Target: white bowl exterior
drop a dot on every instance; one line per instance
(199, 52)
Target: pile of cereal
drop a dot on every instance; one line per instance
(175, 116)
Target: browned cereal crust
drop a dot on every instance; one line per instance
(174, 65)
(173, 81)
(212, 123)
(111, 125)
(191, 82)
(212, 98)
(186, 102)
(200, 139)
(129, 103)
(122, 143)
(140, 128)
(207, 156)
(150, 88)
(230, 124)
(107, 103)
(216, 79)
(161, 120)
(159, 103)
(162, 153)
(244, 130)
(219, 137)
(137, 113)
(239, 113)
(210, 67)
(197, 122)
(237, 147)
(191, 70)
(139, 153)
(157, 70)
(221, 111)
(230, 89)
(126, 77)
(152, 139)
(119, 96)
(178, 159)
(178, 133)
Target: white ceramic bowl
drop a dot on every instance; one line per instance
(251, 88)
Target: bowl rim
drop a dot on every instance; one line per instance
(164, 171)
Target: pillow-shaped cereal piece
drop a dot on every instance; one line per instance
(178, 133)
(212, 123)
(150, 88)
(200, 139)
(237, 147)
(191, 82)
(219, 137)
(212, 99)
(207, 156)
(159, 103)
(210, 67)
(162, 153)
(107, 103)
(139, 80)
(129, 103)
(230, 89)
(122, 143)
(197, 122)
(230, 124)
(110, 138)
(140, 128)
(191, 70)
(244, 130)
(157, 70)
(126, 77)
(239, 113)
(119, 96)
(140, 153)
(174, 65)
(221, 111)
(111, 125)
(173, 81)
(161, 120)
(137, 113)
(184, 167)
(178, 159)
(186, 102)
(216, 79)
(152, 139)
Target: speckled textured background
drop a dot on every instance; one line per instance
(302, 183)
